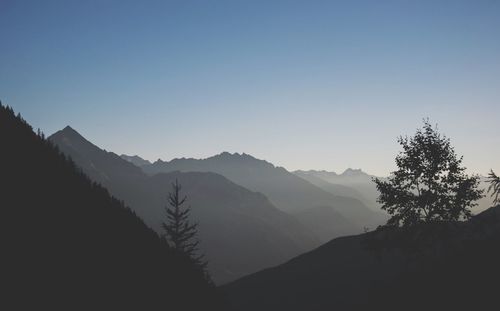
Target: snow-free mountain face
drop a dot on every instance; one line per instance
(355, 179)
(285, 190)
(136, 160)
(240, 230)
(335, 189)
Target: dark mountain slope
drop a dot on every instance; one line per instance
(287, 191)
(110, 170)
(321, 221)
(240, 231)
(333, 276)
(456, 269)
(67, 244)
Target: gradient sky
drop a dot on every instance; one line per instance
(302, 84)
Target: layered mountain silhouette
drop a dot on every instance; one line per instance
(352, 182)
(335, 189)
(357, 184)
(454, 268)
(136, 160)
(240, 230)
(67, 244)
(341, 214)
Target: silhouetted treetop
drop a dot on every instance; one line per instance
(430, 183)
(180, 231)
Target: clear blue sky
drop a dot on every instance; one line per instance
(303, 84)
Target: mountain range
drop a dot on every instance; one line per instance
(287, 191)
(251, 214)
(70, 243)
(352, 182)
(240, 230)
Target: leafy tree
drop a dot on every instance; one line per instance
(179, 231)
(430, 183)
(494, 187)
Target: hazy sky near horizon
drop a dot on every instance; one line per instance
(302, 84)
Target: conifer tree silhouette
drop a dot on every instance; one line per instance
(180, 232)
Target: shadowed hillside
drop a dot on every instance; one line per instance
(241, 232)
(456, 269)
(67, 244)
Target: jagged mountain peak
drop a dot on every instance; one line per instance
(73, 138)
(223, 157)
(353, 172)
(348, 172)
(69, 131)
(241, 157)
(90, 156)
(135, 159)
(313, 172)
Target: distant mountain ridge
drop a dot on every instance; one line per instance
(363, 186)
(356, 179)
(135, 159)
(240, 230)
(335, 189)
(285, 190)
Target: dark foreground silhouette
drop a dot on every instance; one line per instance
(67, 244)
(441, 266)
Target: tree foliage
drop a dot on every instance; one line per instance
(430, 183)
(179, 231)
(494, 187)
